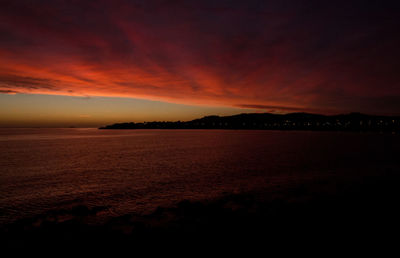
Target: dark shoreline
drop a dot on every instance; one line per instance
(353, 122)
(362, 208)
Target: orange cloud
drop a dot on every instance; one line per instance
(294, 58)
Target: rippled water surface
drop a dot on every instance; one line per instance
(138, 170)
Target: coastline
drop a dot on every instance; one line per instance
(353, 122)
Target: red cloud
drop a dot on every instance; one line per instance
(299, 57)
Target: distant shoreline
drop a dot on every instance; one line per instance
(266, 121)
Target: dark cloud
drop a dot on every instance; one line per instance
(24, 82)
(8, 92)
(267, 107)
(309, 55)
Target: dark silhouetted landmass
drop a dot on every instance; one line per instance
(267, 121)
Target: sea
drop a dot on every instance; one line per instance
(136, 171)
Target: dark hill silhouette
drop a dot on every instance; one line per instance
(268, 121)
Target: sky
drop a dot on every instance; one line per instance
(89, 63)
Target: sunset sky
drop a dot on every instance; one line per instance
(90, 63)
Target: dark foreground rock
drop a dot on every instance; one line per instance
(323, 212)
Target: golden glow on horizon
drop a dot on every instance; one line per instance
(26, 110)
(203, 54)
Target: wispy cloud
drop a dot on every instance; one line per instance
(8, 92)
(296, 56)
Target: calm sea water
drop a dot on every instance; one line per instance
(138, 170)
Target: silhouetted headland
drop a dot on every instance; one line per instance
(268, 121)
